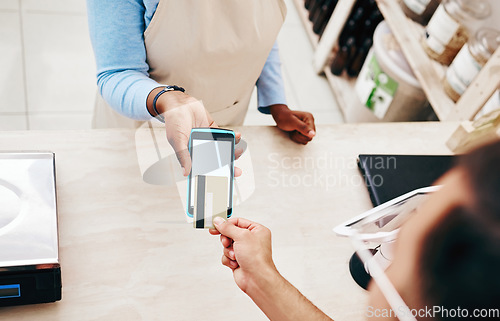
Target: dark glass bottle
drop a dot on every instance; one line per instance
(368, 30)
(353, 25)
(315, 8)
(343, 56)
(324, 14)
(347, 31)
(358, 14)
(360, 57)
(371, 4)
(376, 17)
(328, 15)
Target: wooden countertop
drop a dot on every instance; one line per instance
(127, 253)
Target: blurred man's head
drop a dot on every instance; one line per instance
(448, 254)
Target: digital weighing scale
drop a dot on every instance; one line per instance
(29, 251)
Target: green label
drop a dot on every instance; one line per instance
(384, 87)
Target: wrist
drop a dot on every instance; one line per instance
(161, 100)
(171, 100)
(278, 108)
(263, 283)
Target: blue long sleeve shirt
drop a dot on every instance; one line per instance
(117, 35)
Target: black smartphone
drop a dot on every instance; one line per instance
(212, 155)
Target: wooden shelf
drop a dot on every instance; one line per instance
(332, 32)
(343, 90)
(431, 74)
(304, 17)
(342, 87)
(409, 37)
(427, 71)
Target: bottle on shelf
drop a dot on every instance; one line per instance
(469, 61)
(357, 62)
(315, 7)
(376, 17)
(360, 26)
(367, 31)
(386, 84)
(348, 31)
(420, 11)
(359, 13)
(343, 56)
(448, 30)
(322, 18)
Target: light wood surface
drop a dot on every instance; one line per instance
(128, 254)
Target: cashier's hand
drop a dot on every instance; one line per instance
(299, 124)
(182, 113)
(247, 250)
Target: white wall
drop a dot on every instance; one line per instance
(48, 71)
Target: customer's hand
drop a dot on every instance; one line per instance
(299, 124)
(183, 113)
(247, 251)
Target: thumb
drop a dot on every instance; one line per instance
(227, 228)
(180, 147)
(209, 120)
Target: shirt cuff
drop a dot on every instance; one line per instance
(270, 87)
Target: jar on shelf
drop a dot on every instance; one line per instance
(448, 30)
(469, 61)
(386, 87)
(420, 11)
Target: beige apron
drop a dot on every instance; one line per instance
(214, 49)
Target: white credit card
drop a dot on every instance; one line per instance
(210, 200)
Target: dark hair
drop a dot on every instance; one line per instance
(460, 259)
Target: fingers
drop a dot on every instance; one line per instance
(227, 228)
(243, 223)
(213, 231)
(238, 152)
(209, 121)
(299, 138)
(234, 228)
(229, 253)
(305, 123)
(309, 119)
(229, 263)
(306, 117)
(226, 241)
